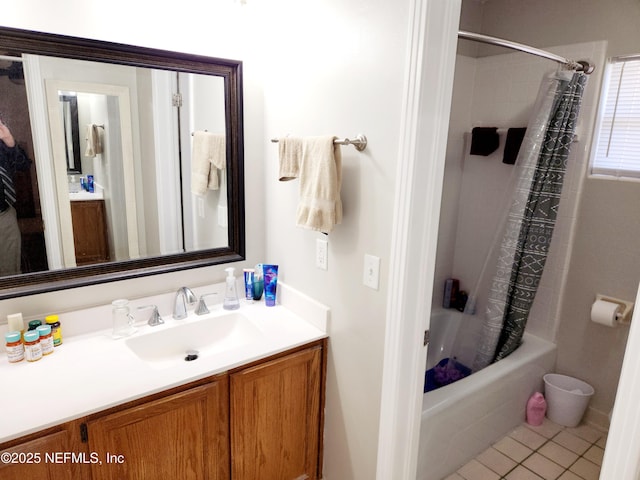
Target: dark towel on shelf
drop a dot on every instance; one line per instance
(484, 140)
(512, 145)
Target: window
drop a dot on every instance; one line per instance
(617, 137)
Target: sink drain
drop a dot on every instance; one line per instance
(191, 356)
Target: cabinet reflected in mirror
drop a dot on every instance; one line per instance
(125, 116)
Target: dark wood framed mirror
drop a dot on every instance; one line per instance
(69, 107)
(15, 43)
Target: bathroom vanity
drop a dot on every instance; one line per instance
(245, 411)
(259, 421)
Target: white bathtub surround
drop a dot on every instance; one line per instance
(500, 90)
(91, 371)
(461, 420)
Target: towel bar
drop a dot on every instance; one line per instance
(360, 142)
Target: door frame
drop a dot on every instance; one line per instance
(433, 39)
(121, 93)
(621, 455)
(420, 172)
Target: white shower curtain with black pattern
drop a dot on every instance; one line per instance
(511, 279)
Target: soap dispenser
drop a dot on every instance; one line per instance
(231, 301)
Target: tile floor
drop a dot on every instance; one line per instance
(547, 452)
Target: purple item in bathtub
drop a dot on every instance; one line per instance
(445, 372)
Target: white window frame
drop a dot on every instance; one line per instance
(600, 171)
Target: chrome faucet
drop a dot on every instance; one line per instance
(184, 298)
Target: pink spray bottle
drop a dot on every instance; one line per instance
(536, 409)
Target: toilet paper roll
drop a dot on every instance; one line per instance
(605, 313)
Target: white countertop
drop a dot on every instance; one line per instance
(92, 371)
(83, 195)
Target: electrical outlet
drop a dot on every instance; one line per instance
(322, 254)
(371, 274)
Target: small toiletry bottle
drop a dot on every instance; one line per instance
(270, 274)
(14, 347)
(536, 409)
(33, 324)
(74, 186)
(258, 282)
(32, 349)
(56, 329)
(451, 287)
(15, 323)
(46, 339)
(249, 278)
(231, 301)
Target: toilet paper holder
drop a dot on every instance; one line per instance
(623, 316)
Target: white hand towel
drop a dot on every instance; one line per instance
(93, 142)
(208, 155)
(218, 160)
(320, 206)
(290, 151)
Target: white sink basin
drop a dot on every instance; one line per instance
(171, 345)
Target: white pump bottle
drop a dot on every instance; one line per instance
(231, 301)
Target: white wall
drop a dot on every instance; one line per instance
(328, 67)
(345, 82)
(545, 23)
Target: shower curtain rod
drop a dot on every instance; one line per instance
(10, 58)
(580, 66)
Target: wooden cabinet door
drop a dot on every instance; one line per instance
(90, 238)
(182, 436)
(42, 459)
(275, 418)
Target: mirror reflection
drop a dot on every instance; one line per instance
(142, 105)
(26, 251)
(69, 110)
(121, 180)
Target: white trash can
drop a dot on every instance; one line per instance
(567, 398)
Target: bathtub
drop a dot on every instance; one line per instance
(462, 419)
